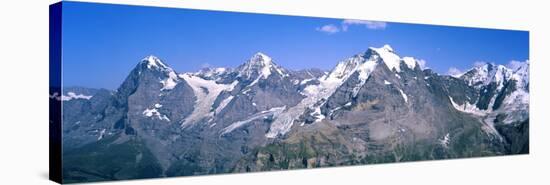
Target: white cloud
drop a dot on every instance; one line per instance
(346, 23)
(455, 72)
(373, 25)
(329, 28)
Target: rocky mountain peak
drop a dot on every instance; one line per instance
(387, 55)
(259, 65)
(153, 62)
(260, 57)
(388, 48)
(521, 73)
(366, 62)
(151, 68)
(487, 73)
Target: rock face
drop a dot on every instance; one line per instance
(503, 102)
(374, 107)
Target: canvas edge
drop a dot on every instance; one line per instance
(55, 125)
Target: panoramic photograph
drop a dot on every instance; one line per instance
(150, 92)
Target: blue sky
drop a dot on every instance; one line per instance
(102, 43)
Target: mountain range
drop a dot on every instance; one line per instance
(374, 107)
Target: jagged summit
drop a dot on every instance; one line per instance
(487, 73)
(387, 55)
(153, 65)
(260, 57)
(259, 65)
(365, 62)
(521, 73)
(503, 90)
(154, 62)
(386, 47)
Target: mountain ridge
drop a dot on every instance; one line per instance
(370, 108)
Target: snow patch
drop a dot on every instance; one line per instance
(516, 106)
(445, 141)
(487, 115)
(403, 95)
(101, 134)
(254, 82)
(314, 93)
(223, 104)
(318, 116)
(205, 100)
(72, 96)
(170, 82)
(154, 112)
(468, 108)
(261, 115)
(386, 82)
(364, 70)
(306, 81)
(402, 130)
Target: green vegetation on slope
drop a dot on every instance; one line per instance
(106, 160)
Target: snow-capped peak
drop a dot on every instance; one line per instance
(170, 80)
(388, 56)
(261, 57)
(482, 75)
(259, 65)
(410, 61)
(387, 48)
(154, 62)
(487, 73)
(521, 73)
(365, 62)
(346, 67)
(515, 103)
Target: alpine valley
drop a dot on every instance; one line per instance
(374, 107)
